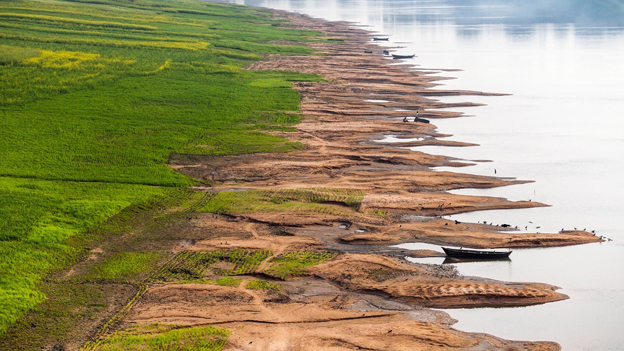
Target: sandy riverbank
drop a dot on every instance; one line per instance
(366, 98)
(368, 297)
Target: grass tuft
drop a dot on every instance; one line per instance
(263, 285)
(293, 264)
(228, 281)
(161, 337)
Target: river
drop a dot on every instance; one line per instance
(562, 126)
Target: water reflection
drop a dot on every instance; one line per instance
(450, 260)
(465, 12)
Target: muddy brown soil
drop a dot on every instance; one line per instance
(367, 297)
(322, 322)
(351, 302)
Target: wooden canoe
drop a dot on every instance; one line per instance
(475, 254)
(396, 57)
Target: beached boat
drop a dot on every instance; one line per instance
(381, 38)
(395, 56)
(421, 120)
(475, 254)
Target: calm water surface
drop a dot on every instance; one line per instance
(563, 127)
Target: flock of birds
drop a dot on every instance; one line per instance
(538, 227)
(602, 237)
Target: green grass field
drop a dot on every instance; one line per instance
(94, 97)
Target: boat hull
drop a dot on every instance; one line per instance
(397, 57)
(475, 254)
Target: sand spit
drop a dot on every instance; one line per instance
(367, 297)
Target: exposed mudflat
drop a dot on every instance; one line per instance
(353, 301)
(367, 297)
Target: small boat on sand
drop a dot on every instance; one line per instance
(396, 57)
(475, 254)
(381, 38)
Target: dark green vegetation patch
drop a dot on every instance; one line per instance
(94, 98)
